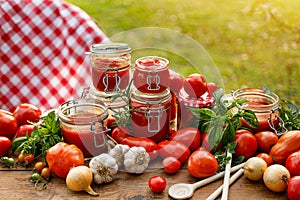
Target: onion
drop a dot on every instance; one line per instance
(276, 178)
(254, 168)
(79, 179)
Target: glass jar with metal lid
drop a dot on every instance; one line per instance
(83, 124)
(150, 115)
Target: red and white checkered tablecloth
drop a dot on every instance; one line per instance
(42, 52)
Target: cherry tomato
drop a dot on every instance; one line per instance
(292, 163)
(8, 124)
(246, 143)
(157, 184)
(21, 158)
(27, 112)
(189, 136)
(195, 85)
(173, 149)
(293, 191)
(202, 164)
(39, 166)
(171, 165)
(5, 145)
(119, 133)
(35, 177)
(211, 88)
(176, 82)
(265, 141)
(46, 173)
(149, 145)
(25, 129)
(28, 158)
(266, 157)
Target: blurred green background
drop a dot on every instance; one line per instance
(250, 42)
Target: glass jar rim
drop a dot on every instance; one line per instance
(152, 98)
(163, 63)
(271, 97)
(65, 108)
(110, 48)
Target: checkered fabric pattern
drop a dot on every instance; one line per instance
(42, 52)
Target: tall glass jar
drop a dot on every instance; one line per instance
(110, 66)
(82, 124)
(151, 74)
(264, 105)
(150, 115)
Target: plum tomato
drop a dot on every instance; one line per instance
(292, 163)
(175, 149)
(157, 184)
(119, 133)
(5, 145)
(246, 143)
(190, 136)
(195, 85)
(202, 164)
(265, 141)
(293, 191)
(24, 130)
(8, 124)
(171, 165)
(266, 157)
(26, 112)
(176, 82)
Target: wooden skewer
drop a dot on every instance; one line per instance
(218, 191)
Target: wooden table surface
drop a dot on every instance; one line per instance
(14, 184)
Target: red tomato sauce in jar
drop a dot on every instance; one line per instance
(150, 115)
(151, 74)
(264, 105)
(82, 124)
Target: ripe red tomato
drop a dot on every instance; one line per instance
(149, 145)
(189, 136)
(25, 129)
(27, 112)
(293, 191)
(246, 143)
(266, 157)
(5, 145)
(119, 133)
(176, 82)
(173, 149)
(265, 141)
(211, 88)
(292, 163)
(202, 164)
(171, 165)
(8, 124)
(195, 85)
(157, 184)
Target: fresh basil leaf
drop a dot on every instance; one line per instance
(250, 118)
(215, 132)
(293, 108)
(203, 114)
(228, 133)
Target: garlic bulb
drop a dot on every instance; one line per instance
(136, 160)
(103, 167)
(118, 153)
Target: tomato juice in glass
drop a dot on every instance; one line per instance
(151, 74)
(82, 124)
(264, 105)
(150, 115)
(110, 66)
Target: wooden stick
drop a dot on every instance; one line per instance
(218, 191)
(226, 177)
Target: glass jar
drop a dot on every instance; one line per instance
(82, 124)
(150, 115)
(110, 66)
(264, 105)
(151, 74)
(185, 117)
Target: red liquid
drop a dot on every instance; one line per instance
(263, 124)
(141, 124)
(111, 69)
